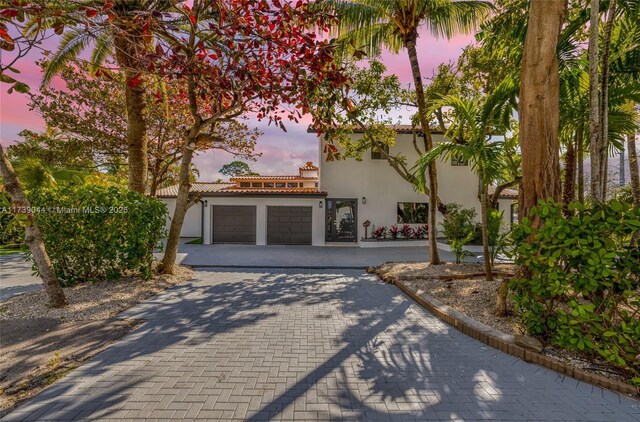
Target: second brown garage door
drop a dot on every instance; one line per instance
(289, 225)
(234, 224)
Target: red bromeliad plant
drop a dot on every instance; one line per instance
(235, 57)
(406, 231)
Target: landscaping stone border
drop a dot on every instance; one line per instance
(505, 343)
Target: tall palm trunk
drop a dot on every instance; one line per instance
(540, 105)
(634, 174)
(569, 187)
(484, 200)
(594, 107)
(33, 236)
(126, 52)
(580, 158)
(604, 100)
(410, 44)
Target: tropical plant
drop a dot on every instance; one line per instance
(458, 228)
(379, 232)
(118, 31)
(406, 231)
(583, 279)
(473, 122)
(394, 25)
(393, 232)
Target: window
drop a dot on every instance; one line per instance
(514, 213)
(413, 212)
(316, 184)
(292, 185)
(245, 184)
(281, 185)
(377, 155)
(268, 184)
(459, 161)
(256, 185)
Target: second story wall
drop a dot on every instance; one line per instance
(384, 188)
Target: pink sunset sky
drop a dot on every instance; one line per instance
(282, 153)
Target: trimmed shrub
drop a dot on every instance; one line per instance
(581, 284)
(98, 233)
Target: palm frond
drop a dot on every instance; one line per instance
(103, 48)
(71, 44)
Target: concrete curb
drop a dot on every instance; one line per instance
(504, 342)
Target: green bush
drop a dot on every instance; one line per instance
(498, 235)
(11, 232)
(98, 233)
(582, 285)
(459, 229)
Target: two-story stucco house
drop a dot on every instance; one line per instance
(328, 204)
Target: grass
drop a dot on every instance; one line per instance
(197, 241)
(10, 249)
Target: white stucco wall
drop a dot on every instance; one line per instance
(192, 221)
(383, 187)
(261, 203)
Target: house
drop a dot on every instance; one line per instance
(328, 204)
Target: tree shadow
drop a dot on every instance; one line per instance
(262, 345)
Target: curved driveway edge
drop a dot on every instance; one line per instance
(317, 345)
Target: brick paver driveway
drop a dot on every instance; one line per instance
(317, 345)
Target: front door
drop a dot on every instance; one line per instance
(342, 218)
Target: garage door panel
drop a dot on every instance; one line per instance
(234, 224)
(289, 225)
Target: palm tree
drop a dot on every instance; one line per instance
(124, 41)
(394, 25)
(474, 120)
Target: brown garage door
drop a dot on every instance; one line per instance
(289, 225)
(234, 224)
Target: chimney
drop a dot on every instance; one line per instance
(309, 163)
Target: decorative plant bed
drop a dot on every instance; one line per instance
(468, 305)
(391, 243)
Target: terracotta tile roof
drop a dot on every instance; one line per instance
(308, 167)
(272, 191)
(397, 128)
(202, 187)
(262, 178)
(505, 194)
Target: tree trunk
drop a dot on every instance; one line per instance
(410, 44)
(484, 199)
(539, 106)
(501, 298)
(634, 174)
(182, 205)
(580, 155)
(604, 101)
(126, 53)
(569, 188)
(594, 108)
(33, 236)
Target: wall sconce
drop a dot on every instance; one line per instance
(364, 200)
(206, 202)
(320, 204)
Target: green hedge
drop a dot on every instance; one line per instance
(582, 287)
(98, 233)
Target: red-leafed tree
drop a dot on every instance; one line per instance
(236, 57)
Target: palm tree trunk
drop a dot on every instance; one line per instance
(410, 44)
(594, 109)
(484, 199)
(634, 174)
(540, 105)
(580, 155)
(569, 188)
(135, 102)
(33, 236)
(604, 103)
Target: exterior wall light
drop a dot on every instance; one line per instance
(320, 204)
(364, 200)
